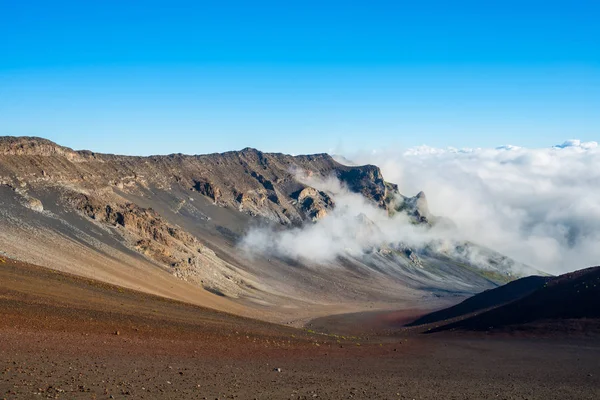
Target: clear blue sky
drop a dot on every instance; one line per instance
(149, 77)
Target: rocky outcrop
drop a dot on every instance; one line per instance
(24, 197)
(32, 146)
(415, 207)
(313, 203)
(208, 189)
(147, 232)
(35, 204)
(366, 180)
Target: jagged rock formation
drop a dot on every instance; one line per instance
(368, 181)
(313, 203)
(416, 207)
(151, 234)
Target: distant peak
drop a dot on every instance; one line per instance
(250, 150)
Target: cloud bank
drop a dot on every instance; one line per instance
(356, 227)
(538, 206)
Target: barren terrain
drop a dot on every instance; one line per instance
(66, 337)
(125, 277)
(174, 226)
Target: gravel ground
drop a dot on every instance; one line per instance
(70, 338)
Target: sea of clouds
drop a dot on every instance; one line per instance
(539, 206)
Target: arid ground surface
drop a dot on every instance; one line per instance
(74, 338)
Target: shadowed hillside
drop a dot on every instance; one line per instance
(488, 299)
(567, 302)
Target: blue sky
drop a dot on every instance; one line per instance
(148, 77)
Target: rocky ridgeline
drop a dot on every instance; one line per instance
(249, 180)
(31, 146)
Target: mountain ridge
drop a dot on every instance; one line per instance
(185, 214)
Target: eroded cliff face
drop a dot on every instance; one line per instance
(146, 230)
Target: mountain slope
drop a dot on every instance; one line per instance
(572, 296)
(162, 223)
(489, 299)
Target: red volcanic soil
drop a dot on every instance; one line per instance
(367, 323)
(72, 338)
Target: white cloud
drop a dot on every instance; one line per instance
(539, 206)
(356, 226)
(577, 144)
(352, 227)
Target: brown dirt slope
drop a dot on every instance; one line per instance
(34, 297)
(65, 337)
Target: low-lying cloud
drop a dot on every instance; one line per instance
(356, 226)
(538, 206)
(352, 227)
